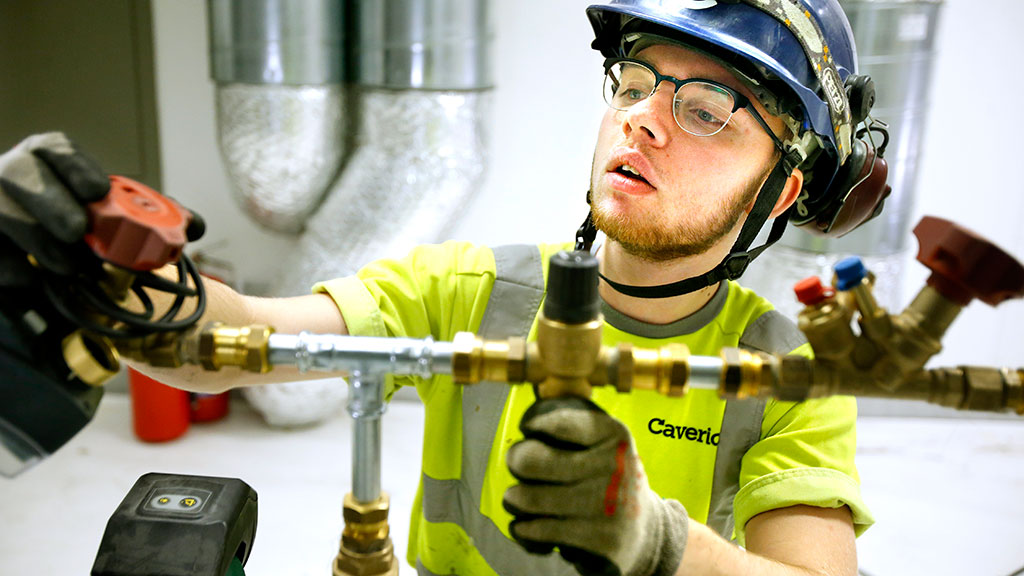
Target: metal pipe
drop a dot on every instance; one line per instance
(421, 78)
(423, 44)
(279, 68)
(366, 406)
(423, 83)
(705, 372)
(276, 41)
(335, 353)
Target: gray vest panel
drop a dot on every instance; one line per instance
(513, 304)
(773, 333)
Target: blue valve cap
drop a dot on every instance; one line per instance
(849, 273)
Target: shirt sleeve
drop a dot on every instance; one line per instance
(436, 291)
(805, 456)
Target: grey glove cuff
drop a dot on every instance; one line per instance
(675, 527)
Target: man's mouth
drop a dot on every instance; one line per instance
(630, 172)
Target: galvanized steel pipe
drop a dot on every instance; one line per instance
(367, 361)
(279, 68)
(334, 353)
(423, 44)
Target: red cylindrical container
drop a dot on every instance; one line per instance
(209, 407)
(159, 412)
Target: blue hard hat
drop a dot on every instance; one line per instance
(752, 41)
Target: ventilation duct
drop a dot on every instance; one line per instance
(278, 68)
(421, 96)
(423, 91)
(895, 46)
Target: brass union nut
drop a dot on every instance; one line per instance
(366, 525)
(366, 512)
(378, 563)
(245, 347)
(468, 349)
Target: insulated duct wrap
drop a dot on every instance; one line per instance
(279, 69)
(421, 160)
(422, 97)
(282, 146)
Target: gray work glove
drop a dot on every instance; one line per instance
(44, 184)
(583, 489)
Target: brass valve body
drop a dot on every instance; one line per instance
(665, 370)
(569, 353)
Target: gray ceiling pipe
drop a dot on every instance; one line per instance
(423, 90)
(896, 47)
(279, 70)
(422, 97)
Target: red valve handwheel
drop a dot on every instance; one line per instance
(964, 265)
(136, 227)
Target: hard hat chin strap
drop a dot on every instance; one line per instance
(740, 256)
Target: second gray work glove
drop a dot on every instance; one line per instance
(45, 183)
(583, 490)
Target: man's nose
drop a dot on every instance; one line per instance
(651, 119)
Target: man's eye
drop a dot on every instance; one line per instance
(708, 117)
(635, 94)
(700, 119)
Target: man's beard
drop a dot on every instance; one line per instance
(640, 238)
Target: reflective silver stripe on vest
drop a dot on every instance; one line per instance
(422, 570)
(511, 308)
(741, 428)
(773, 333)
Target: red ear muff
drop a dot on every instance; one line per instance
(858, 192)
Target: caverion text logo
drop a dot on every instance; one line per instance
(667, 429)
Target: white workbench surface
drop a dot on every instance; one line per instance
(948, 494)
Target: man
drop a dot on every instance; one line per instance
(718, 118)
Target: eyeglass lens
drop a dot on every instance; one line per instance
(700, 108)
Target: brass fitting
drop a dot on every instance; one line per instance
(162, 350)
(975, 388)
(245, 347)
(743, 374)
(571, 366)
(569, 353)
(366, 548)
(918, 331)
(827, 328)
(1015, 390)
(665, 370)
(476, 360)
(117, 282)
(93, 358)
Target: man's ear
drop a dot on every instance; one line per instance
(789, 194)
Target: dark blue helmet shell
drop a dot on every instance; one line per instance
(742, 32)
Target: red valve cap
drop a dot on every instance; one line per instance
(964, 265)
(136, 227)
(810, 291)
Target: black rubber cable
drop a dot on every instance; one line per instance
(72, 303)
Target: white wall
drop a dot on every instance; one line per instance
(547, 107)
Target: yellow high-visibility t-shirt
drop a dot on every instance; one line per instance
(804, 455)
